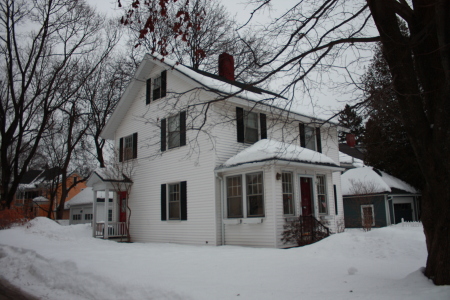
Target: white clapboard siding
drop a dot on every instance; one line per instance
(208, 146)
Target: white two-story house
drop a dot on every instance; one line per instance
(217, 162)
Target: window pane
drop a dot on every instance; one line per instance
(288, 196)
(174, 131)
(157, 88)
(251, 127)
(321, 194)
(234, 197)
(128, 147)
(174, 201)
(255, 199)
(310, 138)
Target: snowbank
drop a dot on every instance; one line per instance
(63, 262)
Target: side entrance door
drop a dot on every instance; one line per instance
(123, 206)
(306, 195)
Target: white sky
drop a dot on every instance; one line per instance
(321, 102)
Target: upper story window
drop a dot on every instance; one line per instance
(310, 137)
(173, 131)
(128, 147)
(251, 126)
(156, 88)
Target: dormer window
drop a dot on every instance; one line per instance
(156, 87)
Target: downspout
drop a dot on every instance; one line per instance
(222, 203)
(274, 213)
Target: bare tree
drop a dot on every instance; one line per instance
(102, 92)
(314, 35)
(42, 46)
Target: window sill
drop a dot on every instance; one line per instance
(242, 221)
(291, 218)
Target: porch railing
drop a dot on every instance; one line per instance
(305, 230)
(115, 229)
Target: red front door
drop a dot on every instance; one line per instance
(123, 206)
(306, 195)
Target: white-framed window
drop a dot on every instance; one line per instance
(322, 194)
(288, 193)
(88, 217)
(173, 132)
(367, 215)
(253, 193)
(251, 128)
(174, 201)
(159, 86)
(310, 138)
(128, 147)
(234, 197)
(110, 215)
(76, 217)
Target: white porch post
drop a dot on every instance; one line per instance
(94, 214)
(114, 207)
(105, 234)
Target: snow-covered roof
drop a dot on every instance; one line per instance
(86, 196)
(350, 160)
(367, 180)
(212, 83)
(265, 150)
(40, 199)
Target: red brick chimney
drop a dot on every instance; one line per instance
(226, 66)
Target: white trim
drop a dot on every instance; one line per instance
(362, 213)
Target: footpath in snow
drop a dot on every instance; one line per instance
(51, 261)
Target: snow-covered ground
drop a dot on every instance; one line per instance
(64, 262)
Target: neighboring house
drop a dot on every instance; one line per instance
(370, 194)
(81, 209)
(350, 157)
(36, 189)
(349, 162)
(214, 163)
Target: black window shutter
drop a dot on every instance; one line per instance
(163, 203)
(302, 135)
(163, 135)
(240, 124)
(263, 125)
(135, 144)
(183, 198)
(335, 200)
(319, 140)
(182, 128)
(121, 149)
(163, 83)
(148, 91)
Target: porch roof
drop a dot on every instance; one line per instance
(269, 150)
(105, 177)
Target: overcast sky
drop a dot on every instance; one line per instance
(321, 102)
